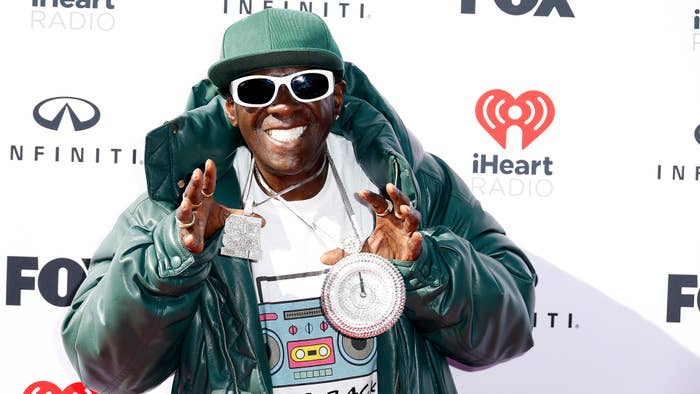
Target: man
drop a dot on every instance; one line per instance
(297, 136)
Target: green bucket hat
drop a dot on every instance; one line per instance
(275, 37)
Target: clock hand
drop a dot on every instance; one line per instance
(362, 286)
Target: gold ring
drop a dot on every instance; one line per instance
(195, 205)
(207, 195)
(389, 208)
(186, 225)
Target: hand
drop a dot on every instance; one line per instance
(394, 235)
(199, 215)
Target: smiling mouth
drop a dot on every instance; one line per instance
(286, 135)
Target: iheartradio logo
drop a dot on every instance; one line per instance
(44, 387)
(497, 111)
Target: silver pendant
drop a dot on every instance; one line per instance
(242, 237)
(351, 245)
(363, 295)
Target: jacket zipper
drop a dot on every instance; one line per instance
(396, 183)
(396, 171)
(223, 333)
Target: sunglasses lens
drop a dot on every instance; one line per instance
(310, 86)
(256, 91)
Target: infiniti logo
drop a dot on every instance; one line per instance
(64, 112)
(677, 171)
(49, 113)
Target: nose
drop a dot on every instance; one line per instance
(284, 103)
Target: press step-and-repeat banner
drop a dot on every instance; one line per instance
(576, 123)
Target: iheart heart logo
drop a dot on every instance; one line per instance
(532, 111)
(44, 387)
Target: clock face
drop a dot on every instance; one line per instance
(363, 295)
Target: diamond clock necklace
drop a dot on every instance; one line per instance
(363, 294)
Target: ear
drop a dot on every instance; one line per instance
(338, 92)
(230, 109)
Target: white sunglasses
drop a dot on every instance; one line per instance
(261, 90)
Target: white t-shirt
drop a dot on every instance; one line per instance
(306, 354)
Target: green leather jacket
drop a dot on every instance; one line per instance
(149, 308)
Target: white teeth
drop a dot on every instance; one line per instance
(286, 135)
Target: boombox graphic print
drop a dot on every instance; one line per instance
(303, 349)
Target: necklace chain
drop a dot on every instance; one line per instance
(312, 225)
(271, 193)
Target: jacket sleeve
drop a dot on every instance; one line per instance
(471, 291)
(125, 323)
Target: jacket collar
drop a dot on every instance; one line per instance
(383, 147)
